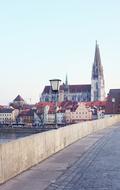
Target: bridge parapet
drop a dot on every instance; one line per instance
(21, 154)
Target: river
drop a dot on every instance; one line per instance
(7, 137)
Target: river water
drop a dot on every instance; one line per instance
(7, 137)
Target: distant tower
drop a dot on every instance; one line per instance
(66, 80)
(66, 89)
(97, 80)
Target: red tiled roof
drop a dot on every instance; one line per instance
(69, 105)
(51, 110)
(43, 104)
(61, 111)
(96, 103)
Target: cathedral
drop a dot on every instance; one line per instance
(81, 92)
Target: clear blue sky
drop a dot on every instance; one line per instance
(45, 39)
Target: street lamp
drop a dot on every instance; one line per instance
(55, 83)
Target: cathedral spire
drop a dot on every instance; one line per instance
(97, 86)
(66, 80)
(97, 58)
(97, 66)
(66, 89)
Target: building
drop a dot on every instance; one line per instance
(60, 117)
(18, 102)
(78, 112)
(113, 102)
(80, 92)
(21, 104)
(97, 108)
(70, 111)
(73, 93)
(47, 110)
(8, 115)
(26, 117)
(97, 79)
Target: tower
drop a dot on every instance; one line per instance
(66, 89)
(97, 79)
(66, 80)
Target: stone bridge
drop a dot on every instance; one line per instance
(92, 162)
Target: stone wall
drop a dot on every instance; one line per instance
(21, 154)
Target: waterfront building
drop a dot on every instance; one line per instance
(78, 112)
(29, 117)
(8, 115)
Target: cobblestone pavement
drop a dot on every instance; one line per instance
(92, 163)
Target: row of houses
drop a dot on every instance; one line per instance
(43, 113)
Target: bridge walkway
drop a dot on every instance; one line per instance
(92, 163)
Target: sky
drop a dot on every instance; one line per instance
(41, 40)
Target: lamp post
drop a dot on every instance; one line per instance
(55, 83)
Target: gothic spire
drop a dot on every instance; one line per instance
(97, 58)
(66, 80)
(97, 85)
(97, 66)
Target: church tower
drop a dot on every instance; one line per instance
(97, 80)
(66, 89)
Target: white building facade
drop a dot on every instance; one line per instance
(8, 115)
